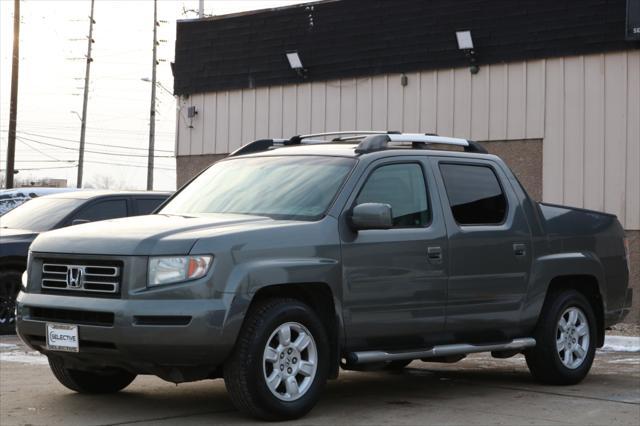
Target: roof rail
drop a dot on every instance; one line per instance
(371, 141)
(417, 140)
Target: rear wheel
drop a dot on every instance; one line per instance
(87, 382)
(9, 289)
(565, 340)
(280, 363)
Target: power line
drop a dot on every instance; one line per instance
(22, 138)
(45, 161)
(39, 151)
(46, 168)
(91, 143)
(99, 129)
(142, 166)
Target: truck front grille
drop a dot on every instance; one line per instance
(83, 277)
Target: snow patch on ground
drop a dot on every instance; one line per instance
(625, 361)
(621, 344)
(8, 346)
(24, 357)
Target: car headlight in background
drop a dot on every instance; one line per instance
(25, 274)
(174, 269)
(29, 259)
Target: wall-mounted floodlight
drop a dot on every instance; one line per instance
(296, 63)
(464, 40)
(465, 43)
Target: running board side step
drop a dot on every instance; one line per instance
(439, 351)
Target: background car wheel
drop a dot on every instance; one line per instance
(9, 289)
(87, 382)
(566, 338)
(280, 363)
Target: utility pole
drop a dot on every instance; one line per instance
(83, 125)
(152, 121)
(13, 107)
(201, 9)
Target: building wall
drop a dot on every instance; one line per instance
(584, 109)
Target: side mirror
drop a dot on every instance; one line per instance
(79, 221)
(371, 216)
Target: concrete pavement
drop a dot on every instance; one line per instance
(477, 390)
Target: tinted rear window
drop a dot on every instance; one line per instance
(148, 205)
(103, 210)
(474, 193)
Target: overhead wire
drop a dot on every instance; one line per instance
(91, 143)
(120, 154)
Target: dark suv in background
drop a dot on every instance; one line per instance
(20, 226)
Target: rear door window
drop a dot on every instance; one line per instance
(147, 205)
(103, 210)
(474, 192)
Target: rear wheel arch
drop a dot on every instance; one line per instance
(587, 285)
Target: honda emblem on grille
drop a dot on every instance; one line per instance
(74, 277)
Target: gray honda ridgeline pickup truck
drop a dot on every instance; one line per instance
(291, 259)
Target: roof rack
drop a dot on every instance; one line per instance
(372, 141)
(417, 140)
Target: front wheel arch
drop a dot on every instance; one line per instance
(319, 297)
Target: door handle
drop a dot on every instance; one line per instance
(519, 249)
(434, 254)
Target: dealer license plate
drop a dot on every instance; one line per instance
(62, 337)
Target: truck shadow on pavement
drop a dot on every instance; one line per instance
(208, 402)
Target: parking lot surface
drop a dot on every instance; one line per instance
(477, 390)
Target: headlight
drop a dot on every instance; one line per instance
(174, 269)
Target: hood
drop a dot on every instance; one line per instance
(156, 234)
(16, 234)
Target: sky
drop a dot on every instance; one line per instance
(53, 42)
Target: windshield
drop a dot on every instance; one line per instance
(291, 187)
(39, 214)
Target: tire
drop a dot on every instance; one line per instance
(9, 289)
(261, 350)
(550, 361)
(87, 382)
(397, 365)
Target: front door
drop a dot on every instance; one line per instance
(395, 279)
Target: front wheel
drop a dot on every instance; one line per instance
(9, 289)
(565, 340)
(280, 363)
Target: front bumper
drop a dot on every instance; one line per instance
(143, 336)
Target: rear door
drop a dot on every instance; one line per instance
(489, 249)
(395, 279)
